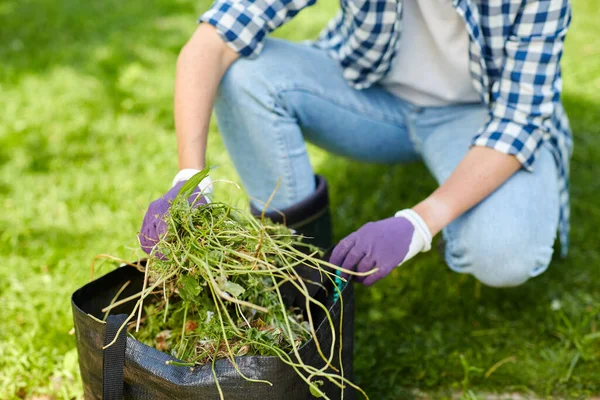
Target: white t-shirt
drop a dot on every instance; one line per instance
(431, 66)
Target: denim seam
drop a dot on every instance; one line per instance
(411, 126)
(317, 93)
(450, 246)
(288, 174)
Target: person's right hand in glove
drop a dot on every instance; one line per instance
(200, 67)
(154, 225)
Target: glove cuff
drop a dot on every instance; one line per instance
(421, 228)
(205, 186)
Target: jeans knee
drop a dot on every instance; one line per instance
(500, 263)
(508, 270)
(240, 81)
(244, 99)
(256, 81)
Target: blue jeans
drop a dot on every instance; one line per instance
(268, 107)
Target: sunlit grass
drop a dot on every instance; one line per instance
(87, 141)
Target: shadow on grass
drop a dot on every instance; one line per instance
(93, 36)
(96, 39)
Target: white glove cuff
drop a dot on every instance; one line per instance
(421, 241)
(205, 186)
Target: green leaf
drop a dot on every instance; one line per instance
(314, 388)
(188, 187)
(234, 289)
(189, 288)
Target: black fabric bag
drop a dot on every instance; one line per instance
(131, 370)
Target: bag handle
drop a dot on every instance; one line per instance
(113, 358)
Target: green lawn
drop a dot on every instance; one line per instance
(87, 141)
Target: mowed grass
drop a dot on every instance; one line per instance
(87, 141)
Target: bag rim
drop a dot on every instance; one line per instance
(132, 343)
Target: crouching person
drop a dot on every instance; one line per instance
(473, 90)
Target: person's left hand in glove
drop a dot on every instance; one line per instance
(391, 242)
(384, 245)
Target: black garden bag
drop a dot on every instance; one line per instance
(131, 370)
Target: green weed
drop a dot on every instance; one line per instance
(87, 141)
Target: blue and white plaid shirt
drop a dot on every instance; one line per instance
(515, 51)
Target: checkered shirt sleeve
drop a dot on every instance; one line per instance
(243, 24)
(527, 95)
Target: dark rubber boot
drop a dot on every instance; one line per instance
(310, 217)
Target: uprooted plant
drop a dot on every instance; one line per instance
(213, 290)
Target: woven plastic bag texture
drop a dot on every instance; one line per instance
(147, 376)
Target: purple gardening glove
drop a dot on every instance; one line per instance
(154, 225)
(384, 245)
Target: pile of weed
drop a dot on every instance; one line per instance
(223, 285)
(213, 290)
